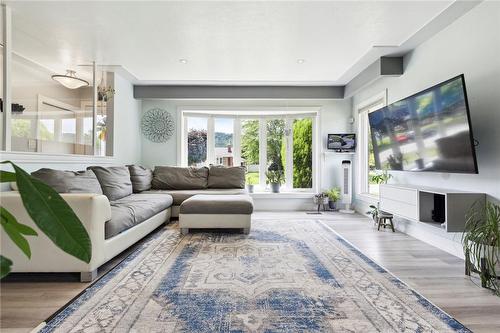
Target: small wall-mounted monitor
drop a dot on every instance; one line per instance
(342, 143)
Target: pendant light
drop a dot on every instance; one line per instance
(70, 80)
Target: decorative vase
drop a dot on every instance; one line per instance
(250, 188)
(332, 205)
(275, 187)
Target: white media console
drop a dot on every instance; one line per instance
(427, 204)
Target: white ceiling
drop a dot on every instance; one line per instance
(223, 42)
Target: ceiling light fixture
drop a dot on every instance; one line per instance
(300, 61)
(183, 61)
(70, 80)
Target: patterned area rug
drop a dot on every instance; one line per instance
(286, 276)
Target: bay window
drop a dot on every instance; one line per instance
(259, 141)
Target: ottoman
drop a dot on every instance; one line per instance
(216, 211)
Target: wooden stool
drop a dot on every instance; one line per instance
(383, 217)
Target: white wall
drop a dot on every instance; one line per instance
(127, 119)
(470, 45)
(334, 118)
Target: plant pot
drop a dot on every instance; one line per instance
(275, 187)
(250, 188)
(484, 253)
(332, 205)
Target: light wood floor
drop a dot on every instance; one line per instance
(435, 274)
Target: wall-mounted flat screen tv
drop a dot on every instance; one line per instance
(428, 131)
(344, 143)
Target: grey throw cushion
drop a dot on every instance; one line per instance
(177, 178)
(115, 181)
(222, 177)
(69, 181)
(141, 178)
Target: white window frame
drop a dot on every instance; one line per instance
(280, 113)
(363, 109)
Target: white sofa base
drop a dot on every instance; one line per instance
(93, 210)
(215, 221)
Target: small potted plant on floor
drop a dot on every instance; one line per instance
(374, 212)
(275, 178)
(333, 196)
(481, 242)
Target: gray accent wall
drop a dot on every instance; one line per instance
(238, 92)
(470, 45)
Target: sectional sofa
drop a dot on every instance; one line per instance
(120, 205)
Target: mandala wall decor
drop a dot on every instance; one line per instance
(157, 125)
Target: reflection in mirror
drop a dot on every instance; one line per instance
(46, 116)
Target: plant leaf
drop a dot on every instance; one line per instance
(22, 228)
(16, 236)
(53, 216)
(7, 176)
(5, 264)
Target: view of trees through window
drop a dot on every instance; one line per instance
(276, 132)
(197, 141)
(302, 153)
(373, 186)
(250, 150)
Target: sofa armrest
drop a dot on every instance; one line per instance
(93, 210)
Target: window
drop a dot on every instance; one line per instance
(197, 141)
(260, 141)
(224, 143)
(250, 150)
(366, 161)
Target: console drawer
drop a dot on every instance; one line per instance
(399, 208)
(405, 195)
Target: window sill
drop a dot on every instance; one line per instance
(282, 195)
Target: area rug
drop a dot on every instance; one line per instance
(285, 276)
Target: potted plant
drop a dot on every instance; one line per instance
(275, 178)
(251, 182)
(320, 199)
(481, 242)
(333, 196)
(381, 178)
(374, 212)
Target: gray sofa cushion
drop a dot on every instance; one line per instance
(177, 178)
(69, 181)
(133, 210)
(141, 178)
(180, 195)
(115, 181)
(222, 177)
(218, 204)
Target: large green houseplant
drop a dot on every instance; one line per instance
(481, 242)
(51, 214)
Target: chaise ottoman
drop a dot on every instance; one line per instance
(216, 211)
